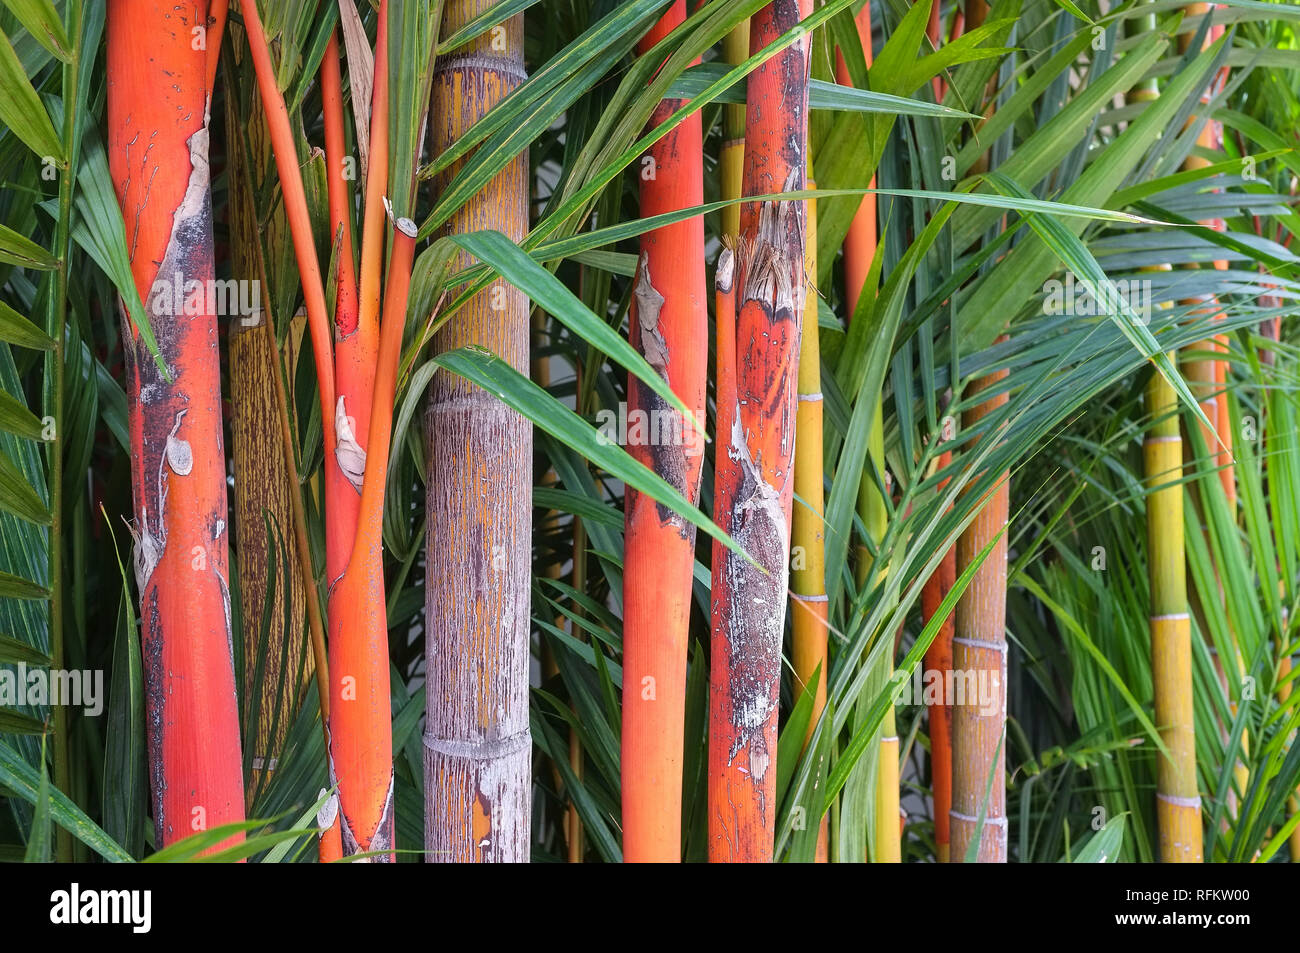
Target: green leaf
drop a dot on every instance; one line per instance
(477, 26)
(16, 723)
(21, 778)
(1104, 846)
(16, 250)
(549, 293)
(499, 378)
(16, 587)
(18, 497)
(43, 23)
(11, 650)
(38, 840)
(15, 329)
(21, 109)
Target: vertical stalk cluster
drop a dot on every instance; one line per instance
(477, 742)
(158, 158)
(669, 327)
(357, 382)
(754, 479)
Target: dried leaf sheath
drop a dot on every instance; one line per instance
(753, 497)
(158, 156)
(477, 742)
(669, 326)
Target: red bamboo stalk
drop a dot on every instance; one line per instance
(754, 496)
(669, 327)
(158, 158)
(938, 659)
(860, 242)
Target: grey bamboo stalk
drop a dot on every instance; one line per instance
(477, 743)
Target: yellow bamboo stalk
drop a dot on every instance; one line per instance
(808, 603)
(731, 157)
(1178, 802)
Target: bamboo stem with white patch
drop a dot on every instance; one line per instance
(477, 743)
(753, 495)
(158, 159)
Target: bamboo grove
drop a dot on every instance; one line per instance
(649, 430)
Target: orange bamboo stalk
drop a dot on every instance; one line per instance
(158, 158)
(477, 741)
(363, 739)
(669, 327)
(754, 497)
(361, 722)
(860, 242)
(216, 28)
(979, 653)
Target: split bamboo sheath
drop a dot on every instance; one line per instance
(477, 741)
(754, 481)
(979, 652)
(158, 158)
(669, 327)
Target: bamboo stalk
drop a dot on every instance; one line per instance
(938, 659)
(668, 325)
(808, 602)
(158, 156)
(262, 493)
(979, 656)
(477, 742)
(1178, 802)
(754, 496)
(731, 156)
